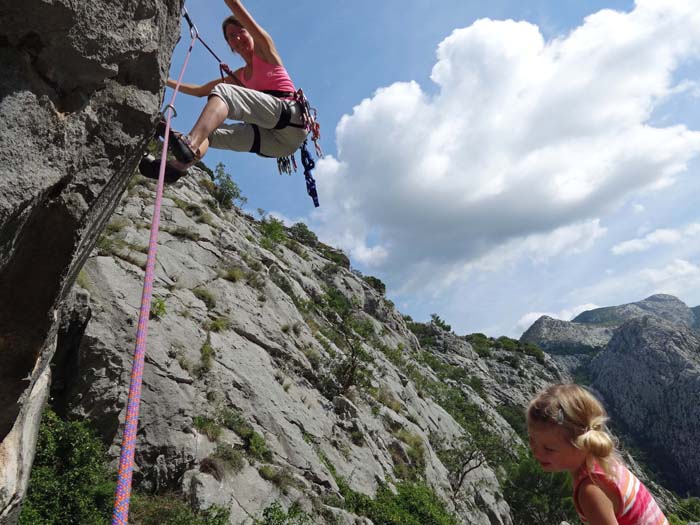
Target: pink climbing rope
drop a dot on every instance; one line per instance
(120, 515)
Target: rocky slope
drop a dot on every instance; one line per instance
(280, 337)
(650, 376)
(644, 359)
(80, 89)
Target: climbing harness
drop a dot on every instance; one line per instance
(287, 164)
(309, 122)
(120, 515)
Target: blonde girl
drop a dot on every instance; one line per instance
(566, 426)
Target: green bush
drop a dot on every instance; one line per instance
(280, 477)
(220, 324)
(226, 192)
(535, 496)
(301, 233)
(233, 274)
(171, 510)
(273, 232)
(233, 420)
(687, 510)
(158, 310)
(435, 318)
(276, 515)
(208, 427)
(232, 457)
(70, 482)
(480, 343)
(184, 232)
(424, 332)
(334, 255)
(207, 354)
(413, 504)
(206, 297)
(254, 443)
(506, 343)
(335, 301)
(513, 345)
(515, 416)
(256, 446)
(375, 283)
(444, 370)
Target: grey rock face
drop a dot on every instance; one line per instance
(650, 377)
(79, 92)
(273, 360)
(566, 337)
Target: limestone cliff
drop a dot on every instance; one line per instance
(79, 91)
(274, 333)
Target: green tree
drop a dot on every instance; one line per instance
(435, 318)
(414, 504)
(687, 510)
(535, 496)
(301, 233)
(70, 482)
(171, 510)
(375, 283)
(226, 192)
(273, 231)
(471, 451)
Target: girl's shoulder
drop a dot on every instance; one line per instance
(597, 472)
(588, 480)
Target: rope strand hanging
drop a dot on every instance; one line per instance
(122, 499)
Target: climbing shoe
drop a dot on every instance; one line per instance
(149, 167)
(178, 144)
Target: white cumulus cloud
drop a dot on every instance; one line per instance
(524, 146)
(660, 236)
(676, 277)
(565, 315)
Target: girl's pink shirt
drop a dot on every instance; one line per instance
(637, 506)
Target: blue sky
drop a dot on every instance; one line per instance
(490, 163)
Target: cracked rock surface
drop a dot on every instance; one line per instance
(239, 334)
(80, 88)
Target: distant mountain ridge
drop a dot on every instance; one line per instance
(663, 306)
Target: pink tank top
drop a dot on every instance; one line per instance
(637, 505)
(268, 77)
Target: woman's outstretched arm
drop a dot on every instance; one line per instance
(264, 45)
(194, 89)
(202, 91)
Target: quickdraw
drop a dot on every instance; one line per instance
(289, 164)
(309, 164)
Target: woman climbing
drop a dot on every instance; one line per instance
(260, 95)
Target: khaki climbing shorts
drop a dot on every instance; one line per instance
(259, 114)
